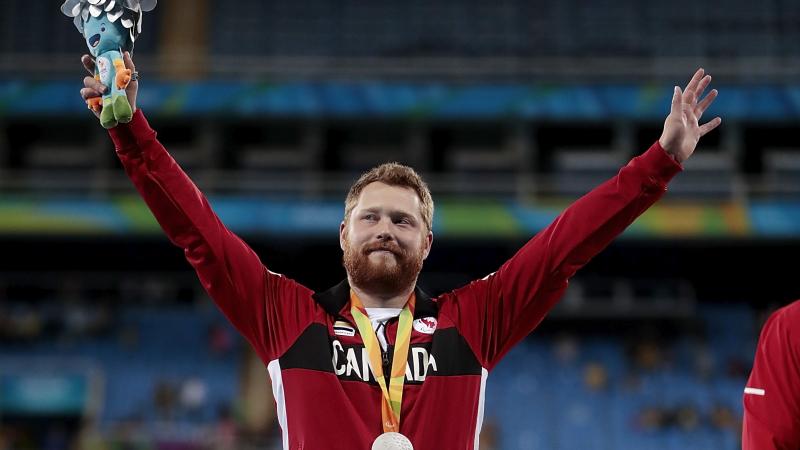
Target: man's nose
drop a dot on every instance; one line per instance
(385, 231)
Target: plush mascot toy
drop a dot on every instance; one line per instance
(110, 27)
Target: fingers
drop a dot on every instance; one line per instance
(91, 83)
(691, 88)
(126, 58)
(88, 93)
(695, 79)
(677, 97)
(710, 125)
(701, 87)
(88, 63)
(705, 103)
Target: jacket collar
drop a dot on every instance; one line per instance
(336, 301)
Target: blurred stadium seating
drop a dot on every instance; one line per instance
(325, 38)
(510, 109)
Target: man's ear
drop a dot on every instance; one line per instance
(428, 245)
(342, 234)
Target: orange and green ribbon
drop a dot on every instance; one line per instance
(393, 392)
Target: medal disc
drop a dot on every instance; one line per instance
(392, 441)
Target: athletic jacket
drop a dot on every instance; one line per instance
(772, 396)
(325, 394)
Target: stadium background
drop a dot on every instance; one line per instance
(510, 109)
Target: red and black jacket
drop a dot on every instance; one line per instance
(326, 397)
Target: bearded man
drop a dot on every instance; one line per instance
(375, 355)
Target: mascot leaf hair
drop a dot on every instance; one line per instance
(110, 28)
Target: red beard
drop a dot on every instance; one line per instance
(384, 278)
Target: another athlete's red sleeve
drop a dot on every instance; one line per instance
(268, 309)
(496, 312)
(772, 396)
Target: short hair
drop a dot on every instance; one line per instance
(393, 174)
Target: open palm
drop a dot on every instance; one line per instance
(682, 129)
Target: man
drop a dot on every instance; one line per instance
(375, 354)
(772, 396)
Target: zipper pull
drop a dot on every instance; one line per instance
(385, 357)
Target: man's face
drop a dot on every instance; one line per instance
(385, 239)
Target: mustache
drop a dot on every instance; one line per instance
(386, 246)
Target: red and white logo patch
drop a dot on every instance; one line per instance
(426, 325)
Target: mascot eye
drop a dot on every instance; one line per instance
(102, 29)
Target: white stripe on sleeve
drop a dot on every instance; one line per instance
(754, 391)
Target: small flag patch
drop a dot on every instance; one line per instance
(342, 328)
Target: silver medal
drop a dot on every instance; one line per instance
(392, 441)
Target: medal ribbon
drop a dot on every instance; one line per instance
(393, 393)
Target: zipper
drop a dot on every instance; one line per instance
(387, 368)
(385, 358)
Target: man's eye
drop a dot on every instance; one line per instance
(371, 217)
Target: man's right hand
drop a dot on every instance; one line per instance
(94, 89)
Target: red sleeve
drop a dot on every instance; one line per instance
(496, 312)
(267, 308)
(772, 396)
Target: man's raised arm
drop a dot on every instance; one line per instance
(267, 308)
(498, 311)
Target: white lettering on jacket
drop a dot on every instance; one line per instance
(354, 362)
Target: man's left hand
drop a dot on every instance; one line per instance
(682, 129)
